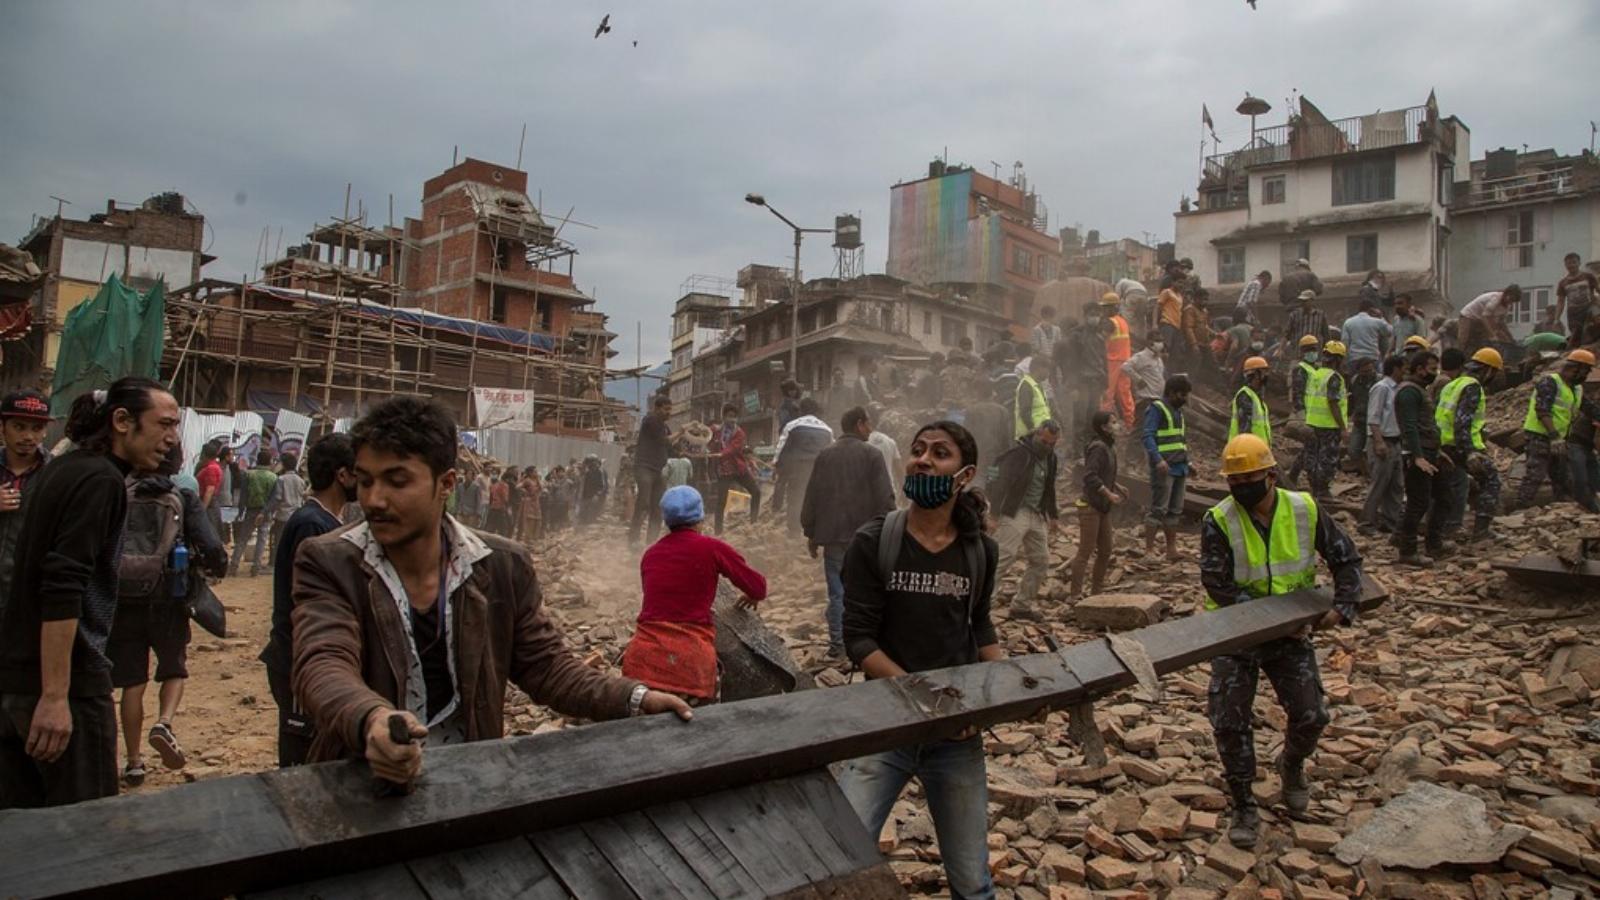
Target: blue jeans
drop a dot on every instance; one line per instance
(1166, 498)
(956, 783)
(833, 571)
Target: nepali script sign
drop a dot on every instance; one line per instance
(504, 408)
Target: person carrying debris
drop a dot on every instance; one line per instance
(1327, 415)
(1023, 500)
(1100, 493)
(674, 648)
(796, 455)
(733, 466)
(918, 585)
(1556, 400)
(1460, 417)
(388, 611)
(1119, 348)
(1262, 541)
(58, 728)
(1427, 471)
(1483, 319)
(1250, 415)
(1167, 450)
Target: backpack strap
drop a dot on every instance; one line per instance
(889, 541)
(973, 548)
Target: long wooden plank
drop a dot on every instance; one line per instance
(644, 859)
(698, 845)
(385, 883)
(776, 866)
(829, 805)
(1550, 572)
(319, 820)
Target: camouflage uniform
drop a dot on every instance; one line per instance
(1538, 466)
(1289, 663)
(1322, 459)
(1472, 466)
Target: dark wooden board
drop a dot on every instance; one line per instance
(644, 859)
(254, 832)
(504, 870)
(384, 883)
(698, 845)
(1549, 572)
(580, 865)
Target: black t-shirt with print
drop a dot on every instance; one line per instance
(435, 653)
(920, 618)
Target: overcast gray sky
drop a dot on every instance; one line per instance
(261, 112)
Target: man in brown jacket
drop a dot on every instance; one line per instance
(411, 611)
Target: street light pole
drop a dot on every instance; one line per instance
(794, 306)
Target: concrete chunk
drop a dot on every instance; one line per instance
(1119, 612)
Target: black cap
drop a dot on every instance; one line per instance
(27, 404)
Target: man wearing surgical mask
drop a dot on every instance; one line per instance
(1253, 545)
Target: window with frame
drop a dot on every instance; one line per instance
(1535, 302)
(497, 304)
(927, 322)
(1021, 259)
(1230, 265)
(1360, 253)
(1363, 180)
(1274, 189)
(1519, 239)
(951, 331)
(1047, 268)
(1288, 252)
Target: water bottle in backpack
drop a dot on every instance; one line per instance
(180, 570)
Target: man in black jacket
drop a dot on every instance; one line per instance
(58, 730)
(1023, 499)
(849, 487)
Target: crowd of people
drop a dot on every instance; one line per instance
(405, 587)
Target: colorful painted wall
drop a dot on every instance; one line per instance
(933, 239)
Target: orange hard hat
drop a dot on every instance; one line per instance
(1254, 363)
(1490, 357)
(1581, 356)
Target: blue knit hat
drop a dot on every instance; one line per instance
(682, 505)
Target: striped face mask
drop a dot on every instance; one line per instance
(930, 491)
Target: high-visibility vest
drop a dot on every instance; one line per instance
(1170, 438)
(1319, 409)
(1568, 399)
(1120, 344)
(1306, 371)
(1037, 402)
(1286, 561)
(1444, 415)
(1260, 425)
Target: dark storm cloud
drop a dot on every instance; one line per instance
(820, 106)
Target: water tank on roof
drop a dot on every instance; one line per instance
(847, 232)
(1500, 163)
(936, 168)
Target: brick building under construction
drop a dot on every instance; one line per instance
(468, 295)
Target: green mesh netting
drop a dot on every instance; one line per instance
(117, 333)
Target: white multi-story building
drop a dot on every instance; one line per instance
(1350, 195)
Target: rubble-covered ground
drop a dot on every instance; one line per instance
(1465, 680)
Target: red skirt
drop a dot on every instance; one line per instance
(677, 657)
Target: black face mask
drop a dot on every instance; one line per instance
(1427, 378)
(1249, 494)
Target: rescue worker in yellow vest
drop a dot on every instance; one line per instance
(1554, 404)
(1250, 414)
(1032, 404)
(1328, 417)
(1459, 415)
(1259, 542)
(1310, 347)
(1167, 450)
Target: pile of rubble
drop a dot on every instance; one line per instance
(1459, 762)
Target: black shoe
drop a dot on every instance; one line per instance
(1246, 824)
(1296, 793)
(1415, 560)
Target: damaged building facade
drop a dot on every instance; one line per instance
(473, 301)
(1350, 195)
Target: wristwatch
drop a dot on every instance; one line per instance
(636, 699)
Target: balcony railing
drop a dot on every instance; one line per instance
(1302, 140)
(1540, 185)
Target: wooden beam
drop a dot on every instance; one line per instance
(253, 832)
(1550, 572)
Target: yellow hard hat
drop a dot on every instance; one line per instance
(1490, 357)
(1309, 340)
(1109, 298)
(1417, 341)
(1254, 363)
(1246, 453)
(1581, 356)
(1333, 348)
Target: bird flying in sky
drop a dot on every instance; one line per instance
(605, 27)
